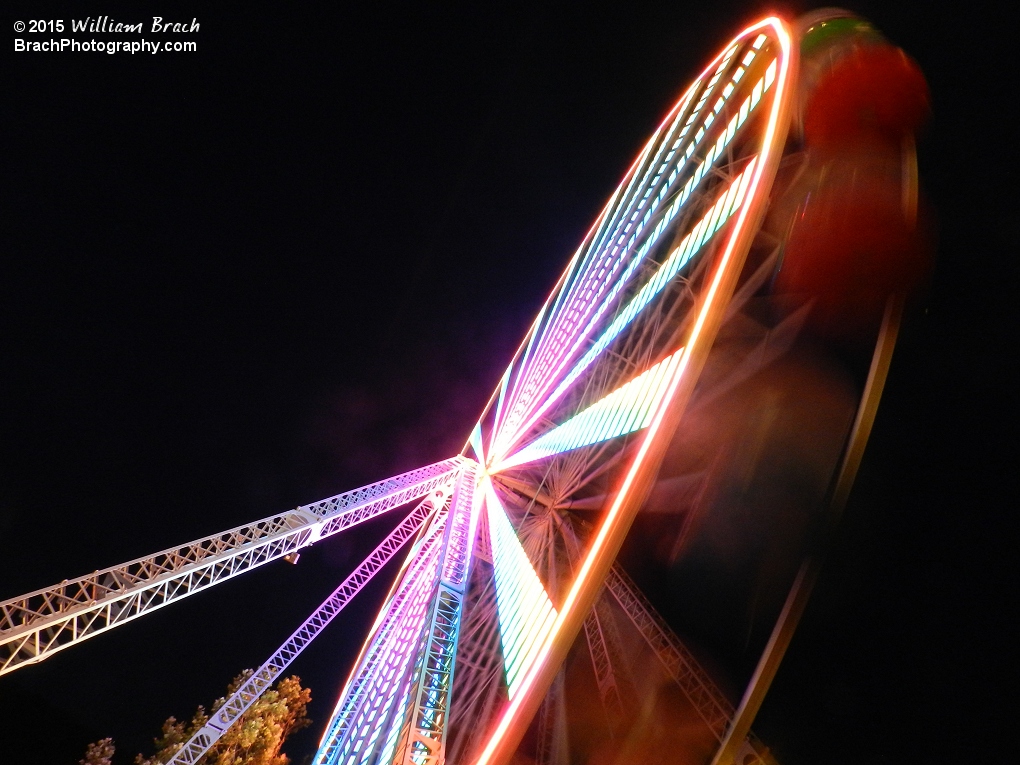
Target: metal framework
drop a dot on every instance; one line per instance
(580, 420)
(37, 625)
(239, 702)
(380, 670)
(681, 665)
(425, 738)
(605, 677)
(513, 553)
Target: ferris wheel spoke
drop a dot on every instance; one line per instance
(604, 239)
(479, 685)
(396, 705)
(589, 308)
(477, 444)
(726, 204)
(586, 310)
(524, 609)
(424, 739)
(378, 725)
(625, 410)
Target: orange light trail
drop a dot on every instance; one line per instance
(499, 745)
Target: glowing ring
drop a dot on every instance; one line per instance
(743, 225)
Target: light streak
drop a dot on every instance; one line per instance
(614, 525)
(725, 205)
(553, 333)
(529, 338)
(476, 441)
(545, 370)
(384, 655)
(524, 609)
(499, 401)
(625, 410)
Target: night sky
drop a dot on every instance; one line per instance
(297, 261)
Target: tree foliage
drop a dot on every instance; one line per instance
(99, 753)
(256, 738)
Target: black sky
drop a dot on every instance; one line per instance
(297, 261)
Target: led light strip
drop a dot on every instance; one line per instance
(563, 322)
(627, 409)
(476, 443)
(576, 285)
(546, 374)
(538, 333)
(503, 382)
(422, 727)
(602, 245)
(727, 203)
(395, 678)
(352, 713)
(428, 669)
(714, 153)
(679, 110)
(525, 612)
(609, 535)
(529, 338)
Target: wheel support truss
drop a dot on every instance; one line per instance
(707, 699)
(396, 706)
(355, 712)
(266, 675)
(36, 625)
(425, 741)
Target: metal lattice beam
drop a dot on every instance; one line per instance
(36, 625)
(553, 745)
(354, 717)
(713, 707)
(266, 675)
(602, 665)
(478, 686)
(425, 741)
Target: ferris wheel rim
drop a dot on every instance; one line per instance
(602, 551)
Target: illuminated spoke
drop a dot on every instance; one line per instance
(583, 301)
(623, 411)
(525, 611)
(718, 214)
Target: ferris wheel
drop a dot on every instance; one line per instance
(512, 623)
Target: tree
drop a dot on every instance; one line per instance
(254, 739)
(99, 753)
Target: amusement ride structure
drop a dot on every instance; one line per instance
(512, 622)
